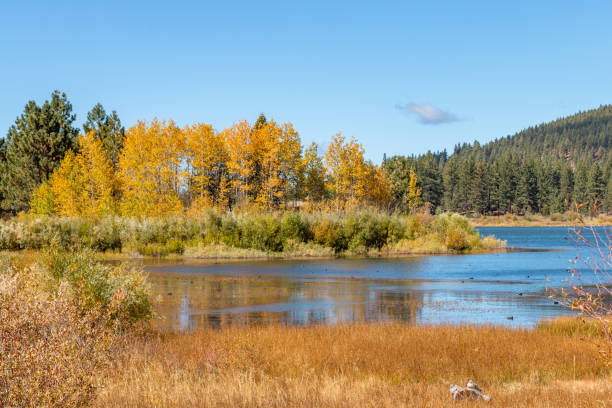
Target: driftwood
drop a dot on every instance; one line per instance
(471, 391)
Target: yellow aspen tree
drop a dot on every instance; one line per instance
(335, 159)
(151, 169)
(98, 171)
(239, 165)
(265, 152)
(414, 192)
(347, 169)
(291, 169)
(42, 201)
(379, 188)
(276, 159)
(207, 159)
(313, 174)
(361, 172)
(69, 187)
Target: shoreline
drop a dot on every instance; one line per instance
(118, 257)
(540, 221)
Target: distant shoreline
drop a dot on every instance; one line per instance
(541, 221)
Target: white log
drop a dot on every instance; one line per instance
(471, 391)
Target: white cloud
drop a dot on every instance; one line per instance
(428, 114)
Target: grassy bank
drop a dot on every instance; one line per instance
(555, 220)
(214, 235)
(391, 365)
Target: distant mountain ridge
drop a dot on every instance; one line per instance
(586, 135)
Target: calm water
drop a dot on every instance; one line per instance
(481, 289)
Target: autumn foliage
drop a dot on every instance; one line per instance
(165, 170)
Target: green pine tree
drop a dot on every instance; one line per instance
(34, 147)
(450, 198)
(261, 120)
(430, 178)
(596, 188)
(527, 189)
(108, 129)
(480, 188)
(581, 191)
(566, 188)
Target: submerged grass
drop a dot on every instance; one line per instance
(389, 365)
(288, 234)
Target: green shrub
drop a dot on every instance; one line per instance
(261, 232)
(365, 232)
(455, 231)
(557, 217)
(229, 233)
(357, 232)
(294, 227)
(119, 293)
(211, 224)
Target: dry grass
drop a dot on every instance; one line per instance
(360, 365)
(556, 220)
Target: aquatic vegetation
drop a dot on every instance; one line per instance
(283, 233)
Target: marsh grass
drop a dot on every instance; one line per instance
(288, 234)
(388, 365)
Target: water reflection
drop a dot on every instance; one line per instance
(187, 301)
(499, 289)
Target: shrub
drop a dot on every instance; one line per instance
(211, 226)
(456, 239)
(557, 217)
(357, 232)
(330, 234)
(456, 232)
(294, 227)
(261, 232)
(365, 232)
(122, 295)
(107, 236)
(52, 354)
(229, 233)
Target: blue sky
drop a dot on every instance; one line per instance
(402, 77)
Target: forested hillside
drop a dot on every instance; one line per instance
(553, 167)
(585, 135)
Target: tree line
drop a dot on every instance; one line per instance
(510, 184)
(156, 168)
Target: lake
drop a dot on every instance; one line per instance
(499, 289)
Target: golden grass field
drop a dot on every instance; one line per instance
(361, 365)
